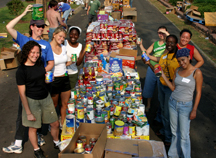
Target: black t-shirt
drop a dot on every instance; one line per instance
(33, 77)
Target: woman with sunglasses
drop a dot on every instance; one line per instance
(185, 38)
(156, 49)
(36, 28)
(61, 84)
(186, 79)
(36, 101)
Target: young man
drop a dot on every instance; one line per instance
(94, 5)
(54, 18)
(66, 9)
(35, 30)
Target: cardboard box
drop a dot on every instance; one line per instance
(45, 33)
(126, 52)
(64, 134)
(179, 4)
(210, 18)
(126, 2)
(107, 3)
(171, 10)
(39, 1)
(130, 13)
(135, 148)
(8, 59)
(116, 15)
(98, 131)
(115, 6)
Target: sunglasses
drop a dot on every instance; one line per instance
(40, 26)
(160, 33)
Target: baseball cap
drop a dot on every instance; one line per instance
(37, 22)
(73, 27)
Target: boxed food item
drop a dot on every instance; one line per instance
(8, 59)
(97, 131)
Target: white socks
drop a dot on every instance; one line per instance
(18, 142)
(56, 142)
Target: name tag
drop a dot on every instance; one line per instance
(43, 46)
(91, 1)
(165, 57)
(185, 80)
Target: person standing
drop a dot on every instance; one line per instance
(54, 18)
(93, 7)
(156, 50)
(35, 30)
(186, 79)
(37, 103)
(61, 83)
(66, 9)
(74, 47)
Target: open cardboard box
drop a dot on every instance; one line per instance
(8, 59)
(126, 52)
(118, 148)
(116, 15)
(45, 33)
(98, 131)
(210, 18)
(130, 13)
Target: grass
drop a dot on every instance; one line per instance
(22, 26)
(198, 38)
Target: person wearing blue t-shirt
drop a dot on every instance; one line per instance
(35, 30)
(66, 9)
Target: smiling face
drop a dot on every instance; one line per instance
(59, 37)
(185, 38)
(161, 35)
(37, 30)
(170, 44)
(184, 61)
(33, 55)
(74, 35)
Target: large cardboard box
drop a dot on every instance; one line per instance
(98, 131)
(134, 148)
(130, 13)
(116, 15)
(210, 18)
(126, 52)
(8, 59)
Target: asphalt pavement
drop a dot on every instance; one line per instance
(203, 135)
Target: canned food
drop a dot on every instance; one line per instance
(90, 113)
(90, 98)
(110, 87)
(131, 129)
(100, 103)
(70, 124)
(98, 111)
(80, 112)
(90, 121)
(79, 150)
(138, 131)
(79, 143)
(92, 141)
(78, 121)
(107, 109)
(99, 120)
(157, 70)
(109, 128)
(71, 106)
(88, 149)
(83, 139)
(117, 110)
(49, 76)
(117, 85)
(73, 58)
(104, 115)
(73, 93)
(145, 57)
(126, 129)
(128, 90)
(118, 130)
(112, 121)
(109, 94)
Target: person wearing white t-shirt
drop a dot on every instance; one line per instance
(74, 47)
(60, 85)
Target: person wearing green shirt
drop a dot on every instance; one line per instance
(94, 5)
(155, 50)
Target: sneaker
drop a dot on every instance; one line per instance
(56, 146)
(39, 153)
(12, 149)
(41, 141)
(85, 8)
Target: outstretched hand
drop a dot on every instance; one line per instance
(28, 9)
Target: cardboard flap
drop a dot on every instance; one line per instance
(128, 52)
(194, 7)
(196, 13)
(7, 53)
(123, 146)
(130, 13)
(210, 18)
(125, 57)
(116, 155)
(145, 149)
(129, 9)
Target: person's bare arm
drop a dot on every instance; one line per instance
(81, 57)
(49, 66)
(199, 81)
(198, 58)
(156, 59)
(12, 23)
(60, 20)
(88, 10)
(171, 85)
(22, 89)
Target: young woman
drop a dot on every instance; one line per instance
(185, 37)
(61, 84)
(168, 63)
(37, 104)
(156, 50)
(181, 109)
(74, 47)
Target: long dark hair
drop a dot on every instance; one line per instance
(176, 40)
(26, 49)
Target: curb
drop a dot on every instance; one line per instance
(198, 26)
(77, 10)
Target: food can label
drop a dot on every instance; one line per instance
(73, 58)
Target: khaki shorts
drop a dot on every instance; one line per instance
(86, 1)
(43, 110)
(73, 80)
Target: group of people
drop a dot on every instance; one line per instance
(176, 87)
(37, 98)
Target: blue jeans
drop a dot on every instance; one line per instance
(66, 14)
(180, 127)
(163, 95)
(50, 34)
(150, 83)
(131, 1)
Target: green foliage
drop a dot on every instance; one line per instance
(15, 7)
(173, 2)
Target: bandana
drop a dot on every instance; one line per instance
(184, 52)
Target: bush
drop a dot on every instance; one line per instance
(15, 7)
